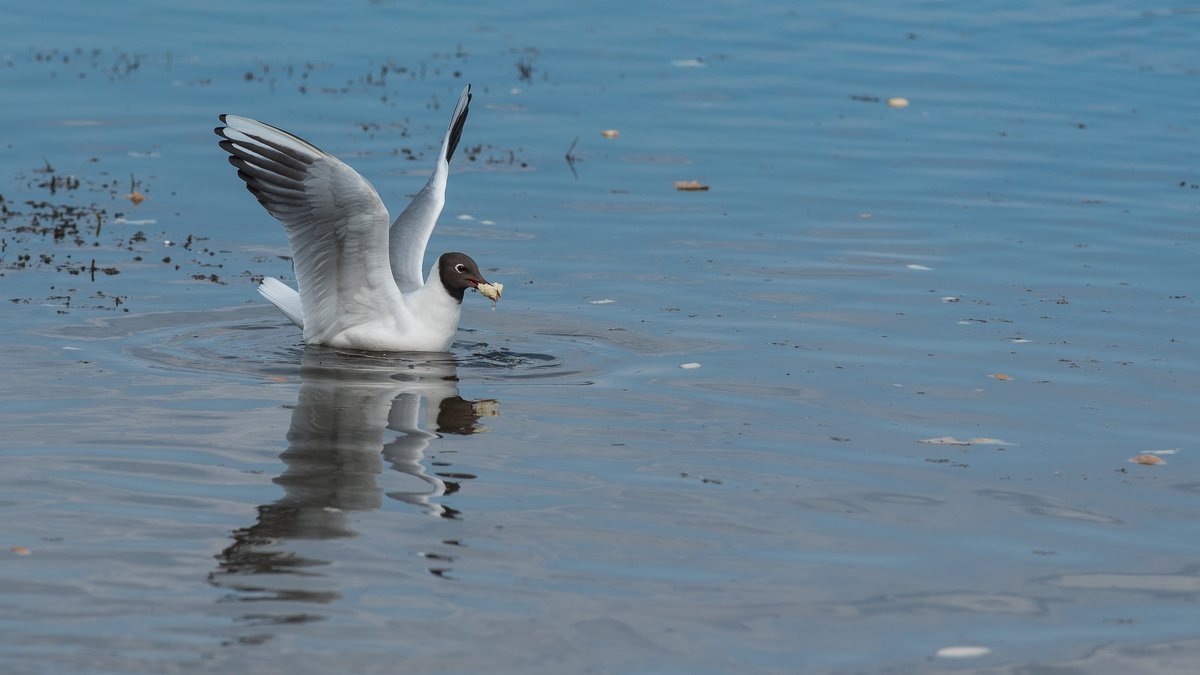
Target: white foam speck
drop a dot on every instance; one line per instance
(962, 652)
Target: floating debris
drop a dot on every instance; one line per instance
(919, 267)
(610, 133)
(1001, 376)
(571, 157)
(689, 366)
(944, 440)
(605, 301)
(687, 63)
(950, 440)
(897, 102)
(690, 186)
(962, 652)
(951, 298)
(1152, 457)
(135, 195)
(1147, 460)
(20, 550)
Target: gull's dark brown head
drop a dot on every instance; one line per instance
(458, 273)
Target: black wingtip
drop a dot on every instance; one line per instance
(459, 122)
(220, 131)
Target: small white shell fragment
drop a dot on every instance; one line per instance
(962, 652)
(689, 366)
(605, 301)
(466, 216)
(897, 102)
(919, 267)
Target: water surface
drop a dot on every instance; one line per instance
(1007, 262)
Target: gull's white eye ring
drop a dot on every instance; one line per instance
(460, 268)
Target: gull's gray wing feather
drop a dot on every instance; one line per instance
(335, 222)
(409, 235)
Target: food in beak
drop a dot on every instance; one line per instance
(491, 292)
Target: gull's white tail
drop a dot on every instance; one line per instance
(284, 297)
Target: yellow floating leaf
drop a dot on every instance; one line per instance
(1001, 376)
(20, 550)
(1148, 460)
(690, 186)
(898, 102)
(610, 133)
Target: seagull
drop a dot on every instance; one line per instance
(360, 282)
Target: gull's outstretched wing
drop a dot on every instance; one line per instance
(410, 233)
(335, 221)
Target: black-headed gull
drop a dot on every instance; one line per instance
(360, 282)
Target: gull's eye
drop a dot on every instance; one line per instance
(460, 268)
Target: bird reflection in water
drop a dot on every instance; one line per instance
(353, 414)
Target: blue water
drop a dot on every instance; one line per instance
(188, 489)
